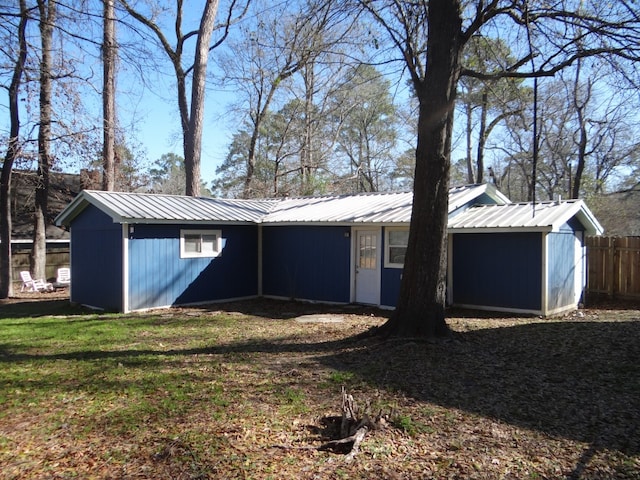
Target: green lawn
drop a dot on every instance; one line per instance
(233, 391)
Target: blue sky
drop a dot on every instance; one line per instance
(148, 113)
(158, 131)
(153, 112)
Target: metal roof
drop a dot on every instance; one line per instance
(126, 207)
(460, 196)
(362, 208)
(367, 207)
(544, 216)
(379, 208)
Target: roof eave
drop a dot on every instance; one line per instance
(331, 223)
(85, 198)
(82, 201)
(497, 195)
(163, 221)
(475, 191)
(594, 227)
(72, 210)
(584, 216)
(507, 229)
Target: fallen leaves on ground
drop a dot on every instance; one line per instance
(208, 393)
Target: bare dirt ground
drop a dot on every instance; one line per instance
(59, 294)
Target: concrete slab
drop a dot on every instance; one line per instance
(320, 318)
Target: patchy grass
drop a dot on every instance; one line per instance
(209, 393)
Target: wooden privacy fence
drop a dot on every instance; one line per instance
(57, 256)
(614, 267)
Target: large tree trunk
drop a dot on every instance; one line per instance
(38, 258)
(109, 97)
(421, 304)
(13, 149)
(194, 141)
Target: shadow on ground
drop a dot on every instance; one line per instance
(38, 307)
(284, 309)
(578, 379)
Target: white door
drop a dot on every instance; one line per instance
(367, 268)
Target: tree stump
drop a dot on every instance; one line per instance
(354, 425)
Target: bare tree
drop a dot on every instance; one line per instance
(430, 35)
(191, 112)
(487, 104)
(284, 40)
(276, 48)
(13, 149)
(587, 142)
(366, 125)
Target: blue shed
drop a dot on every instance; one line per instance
(520, 257)
(134, 251)
(138, 251)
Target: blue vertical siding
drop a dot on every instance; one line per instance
(561, 254)
(96, 260)
(159, 277)
(307, 262)
(390, 284)
(561, 269)
(497, 270)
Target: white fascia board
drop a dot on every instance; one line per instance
(499, 229)
(336, 224)
(587, 219)
(496, 194)
(125, 268)
(474, 192)
(71, 211)
(81, 202)
(186, 223)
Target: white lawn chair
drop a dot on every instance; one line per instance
(63, 279)
(31, 285)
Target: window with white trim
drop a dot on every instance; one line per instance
(396, 240)
(200, 243)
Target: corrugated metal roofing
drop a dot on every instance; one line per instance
(377, 208)
(127, 207)
(363, 208)
(460, 196)
(546, 216)
(366, 207)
